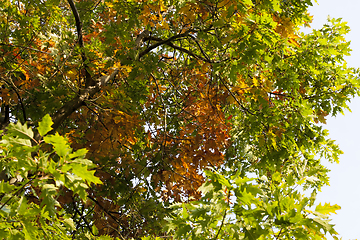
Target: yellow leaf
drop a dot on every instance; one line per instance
(109, 4)
(293, 41)
(276, 177)
(165, 25)
(71, 74)
(256, 82)
(230, 99)
(162, 7)
(222, 3)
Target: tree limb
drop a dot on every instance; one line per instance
(78, 22)
(79, 100)
(68, 108)
(201, 49)
(89, 80)
(170, 44)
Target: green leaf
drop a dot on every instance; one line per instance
(70, 223)
(48, 192)
(206, 187)
(60, 144)
(6, 187)
(29, 230)
(19, 130)
(45, 125)
(105, 238)
(244, 197)
(240, 181)
(22, 209)
(185, 213)
(324, 224)
(86, 175)
(327, 209)
(276, 177)
(79, 153)
(83, 161)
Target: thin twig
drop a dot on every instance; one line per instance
(232, 94)
(223, 220)
(81, 217)
(201, 49)
(277, 237)
(161, 42)
(29, 48)
(12, 85)
(106, 211)
(17, 191)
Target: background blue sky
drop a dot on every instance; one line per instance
(344, 188)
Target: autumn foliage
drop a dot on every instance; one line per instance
(175, 102)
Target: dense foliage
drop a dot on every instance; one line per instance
(195, 119)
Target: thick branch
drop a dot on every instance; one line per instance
(68, 108)
(78, 22)
(79, 100)
(89, 80)
(21, 103)
(91, 87)
(11, 84)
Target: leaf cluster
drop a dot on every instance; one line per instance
(29, 200)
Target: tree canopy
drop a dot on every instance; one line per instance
(144, 119)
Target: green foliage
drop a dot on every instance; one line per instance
(276, 139)
(209, 114)
(45, 125)
(244, 208)
(29, 208)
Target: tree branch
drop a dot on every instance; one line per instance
(170, 44)
(81, 217)
(16, 192)
(89, 80)
(21, 104)
(181, 49)
(68, 108)
(78, 22)
(79, 100)
(237, 101)
(107, 212)
(28, 48)
(201, 49)
(11, 84)
(223, 219)
(160, 42)
(189, 52)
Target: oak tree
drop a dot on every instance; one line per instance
(120, 117)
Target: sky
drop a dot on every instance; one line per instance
(344, 188)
